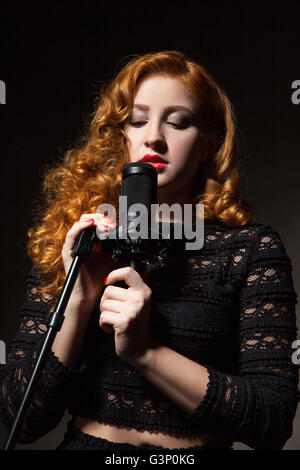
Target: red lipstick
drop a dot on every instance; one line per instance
(155, 160)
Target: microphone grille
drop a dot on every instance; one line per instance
(139, 184)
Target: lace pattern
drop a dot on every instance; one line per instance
(44, 411)
(229, 306)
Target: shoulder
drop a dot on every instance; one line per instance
(259, 237)
(266, 241)
(33, 276)
(34, 281)
(255, 243)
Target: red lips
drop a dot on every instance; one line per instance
(153, 159)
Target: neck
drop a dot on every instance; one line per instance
(179, 198)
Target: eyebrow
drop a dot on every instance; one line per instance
(168, 109)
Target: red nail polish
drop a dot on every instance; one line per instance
(105, 279)
(90, 220)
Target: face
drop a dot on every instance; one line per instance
(164, 127)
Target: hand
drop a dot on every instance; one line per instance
(90, 280)
(126, 312)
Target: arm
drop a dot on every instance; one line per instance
(62, 368)
(257, 406)
(57, 381)
(160, 365)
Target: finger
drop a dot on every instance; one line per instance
(85, 222)
(127, 274)
(99, 218)
(111, 305)
(110, 216)
(115, 293)
(74, 232)
(121, 295)
(86, 216)
(109, 321)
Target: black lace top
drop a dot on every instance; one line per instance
(229, 306)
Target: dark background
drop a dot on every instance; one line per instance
(54, 59)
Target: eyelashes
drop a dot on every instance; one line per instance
(137, 123)
(177, 125)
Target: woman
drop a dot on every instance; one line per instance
(197, 357)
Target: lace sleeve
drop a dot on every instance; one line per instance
(51, 395)
(257, 406)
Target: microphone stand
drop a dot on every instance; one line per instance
(80, 253)
(129, 252)
(133, 252)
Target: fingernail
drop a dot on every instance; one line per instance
(89, 220)
(105, 279)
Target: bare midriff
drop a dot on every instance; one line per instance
(137, 437)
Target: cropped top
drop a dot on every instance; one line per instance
(229, 306)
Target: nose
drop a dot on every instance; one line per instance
(155, 139)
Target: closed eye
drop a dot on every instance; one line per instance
(180, 125)
(137, 123)
(184, 124)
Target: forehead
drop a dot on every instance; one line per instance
(164, 90)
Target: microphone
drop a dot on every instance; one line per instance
(131, 241)
(139, 184)
(139, 188)
(138, 238)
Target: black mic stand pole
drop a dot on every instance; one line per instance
(80, 253)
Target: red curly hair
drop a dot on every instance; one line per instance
(91, 174)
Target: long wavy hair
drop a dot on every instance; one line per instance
(91, 173)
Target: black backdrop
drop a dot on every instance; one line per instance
(55, 57)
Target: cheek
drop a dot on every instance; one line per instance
(189, 148)
(133, 138)
(130, 143)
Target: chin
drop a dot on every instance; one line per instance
(162, 180)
